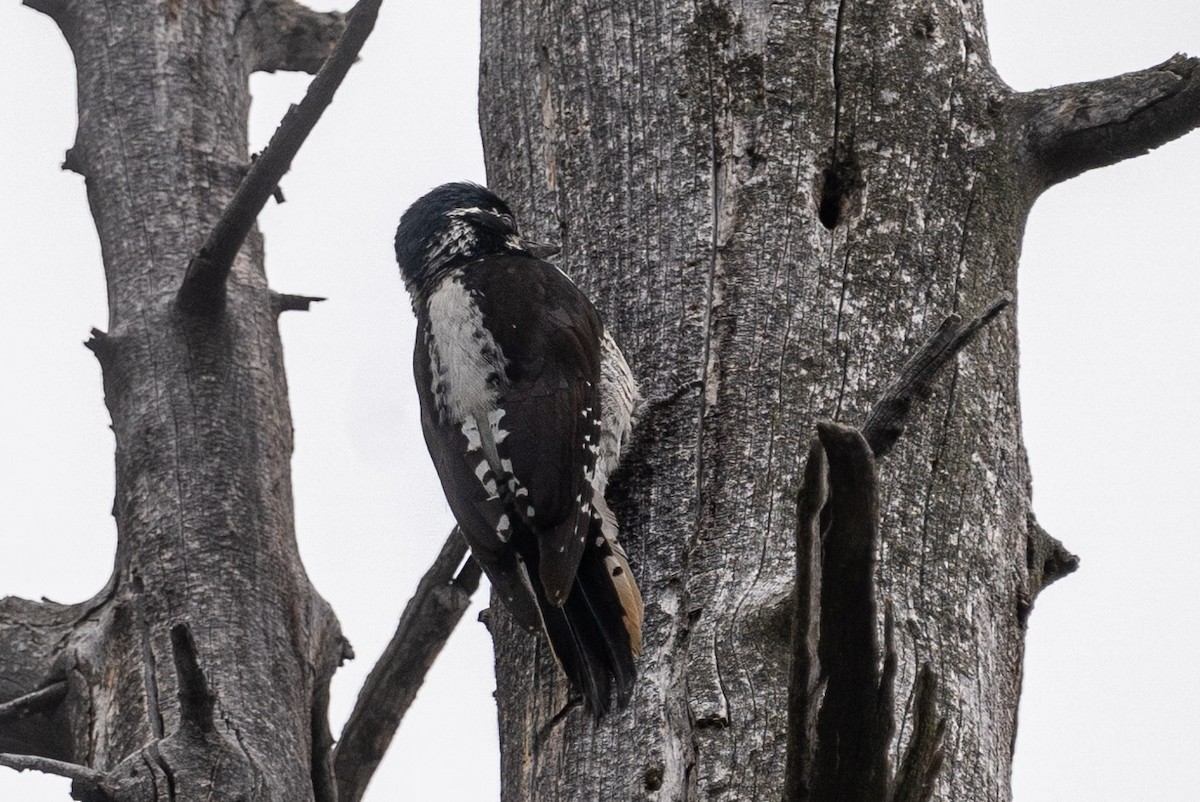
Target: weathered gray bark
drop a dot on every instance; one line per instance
(783, 199)
(201, 671)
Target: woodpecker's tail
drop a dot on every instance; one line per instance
(597, 632)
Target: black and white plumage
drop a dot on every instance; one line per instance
(526, 404)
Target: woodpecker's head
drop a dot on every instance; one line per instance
(452, 225)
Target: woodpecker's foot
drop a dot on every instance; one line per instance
(647, 407)
(542, 250)
(573, 702)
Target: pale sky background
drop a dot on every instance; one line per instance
(1110, 385)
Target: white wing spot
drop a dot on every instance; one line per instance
(498, 434)
(489, 483)
(471, 432)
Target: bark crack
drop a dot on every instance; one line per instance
(149, 669)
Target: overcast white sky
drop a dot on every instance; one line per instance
(1110, 387)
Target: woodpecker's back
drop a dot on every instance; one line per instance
(526, 403)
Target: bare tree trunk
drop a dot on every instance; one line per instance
(783, 200)
(201, 671)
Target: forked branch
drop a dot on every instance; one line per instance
(203, 290)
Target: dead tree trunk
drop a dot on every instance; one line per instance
(783, 200)
(201, 671)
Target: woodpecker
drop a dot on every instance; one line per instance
(526, 404)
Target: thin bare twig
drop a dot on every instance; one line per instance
(203, 290)
(61, 768)
(431, 615)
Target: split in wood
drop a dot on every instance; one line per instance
(195, 699)
(841, 697)
(203, 289)
(441, 598)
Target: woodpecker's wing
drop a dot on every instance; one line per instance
(549, 335)
(480, 512)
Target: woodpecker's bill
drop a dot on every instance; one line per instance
(526, 403)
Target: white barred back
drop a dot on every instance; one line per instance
(466, 360)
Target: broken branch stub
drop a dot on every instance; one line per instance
(841, 698)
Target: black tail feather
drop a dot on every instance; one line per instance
(594, 589)
(572, 640)
(589, 636)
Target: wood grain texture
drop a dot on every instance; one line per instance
(203, 436)
(783, 200)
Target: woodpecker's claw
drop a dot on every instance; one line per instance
(542, 250)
